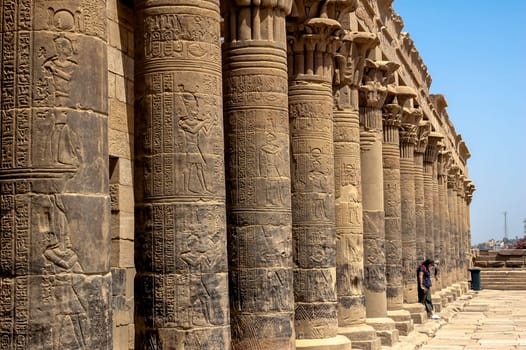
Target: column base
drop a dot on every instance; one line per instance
(457, 289)
(465, 287)
(385, 330)
(436, 299)
(417, 311)
(338, 342)
(449, 294)
(403, 321)
(362, 337)
(443, 297)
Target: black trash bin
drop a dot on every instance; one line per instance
(475, 278)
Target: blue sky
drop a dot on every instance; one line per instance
(475, 51)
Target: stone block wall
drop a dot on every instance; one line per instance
(120, 136)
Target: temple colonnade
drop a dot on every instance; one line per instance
(222, 175)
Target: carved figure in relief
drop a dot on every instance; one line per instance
(269, 163)
(60, 68)
(62, 143)
(61, 265)
(193, 126)
(319, 182)
(205, 293)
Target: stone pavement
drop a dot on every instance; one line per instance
(487, 319)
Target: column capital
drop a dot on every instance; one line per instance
(410, 119)
(469, 188)
(351, 57)
(314, 38)
(433, 147)
(376, 76)
(392, 108)
(284, 5)
(452, 176)
(423, 131)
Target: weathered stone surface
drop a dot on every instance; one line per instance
(54, 292)
(257, 143)
(181, 260)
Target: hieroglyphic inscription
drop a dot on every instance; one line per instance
(184, 137)
(186, 245)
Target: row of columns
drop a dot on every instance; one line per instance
(284, 193)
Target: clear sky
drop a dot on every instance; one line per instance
(475, 51)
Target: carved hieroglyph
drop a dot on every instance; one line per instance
(54, 292)
(258, 173)
(392, 202)
(422, 133)
(410, 119)
(373, 92)
(347, 174)
(181, 283)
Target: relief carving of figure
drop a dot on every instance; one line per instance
(193, 126)
(269, 163)
(320, 185)
(62, 144)
(62, 264)
(203, 292)
(60, 68)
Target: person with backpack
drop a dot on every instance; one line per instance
(424, 287)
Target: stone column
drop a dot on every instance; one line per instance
(461, 192)
(348, 198)
(182, 273)
(313, 46)
(411, 117)
(452, 224)
(55, 282)
(470, 188)
(392, 122)
(444, 218)
(423, 131)
(432, 248)
(258, 174)
(373, 93)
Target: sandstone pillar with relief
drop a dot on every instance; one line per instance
(258, 174)
(348, 199)
(410, 119)
(452, 222)
(313, 44)
(445, 236)
(461, 193)
(373, 93)
(431, 208)
(392, 122)
(181, 260)
(422, 236)
(54, 290)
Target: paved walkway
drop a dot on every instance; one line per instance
(487, 319)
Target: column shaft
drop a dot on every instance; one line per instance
(349, 225)
(314, 235)
(373, 212)
(312, 176)
(410, 120)
(420, 220)
(453, 238)
(392, 206)
(258, 178)
(54, 205)
(182, 274)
